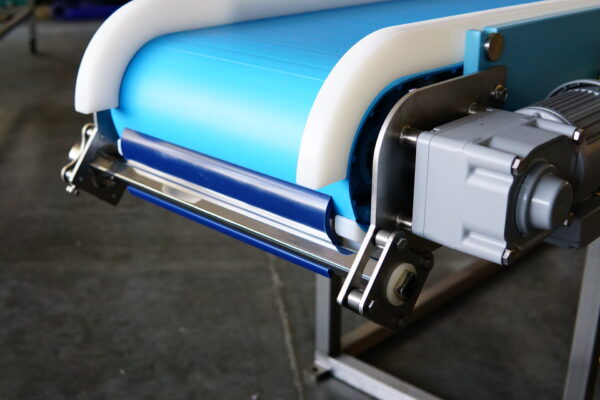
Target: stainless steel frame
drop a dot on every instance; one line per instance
(391, 199)
(335, 356)
(96, 168)
(585, 350)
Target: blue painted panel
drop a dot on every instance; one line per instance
(290, 201)
(308, 264)
(242, 92)
(541, 54)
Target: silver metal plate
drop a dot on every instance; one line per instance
(423, 109)
(227, 211)
(393, 188)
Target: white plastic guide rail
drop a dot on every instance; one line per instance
(360, 75)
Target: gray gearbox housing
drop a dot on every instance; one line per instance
(494, 183)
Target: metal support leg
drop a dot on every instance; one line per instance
(329, 360)
(329, 318)
(32, 29)
(585, 350)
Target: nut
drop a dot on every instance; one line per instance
(517, 166)
(508, 256)
(72, 189)
(500, 93)
(578, 135)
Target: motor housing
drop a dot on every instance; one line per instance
(496, 182)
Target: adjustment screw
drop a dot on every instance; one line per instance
(494, 46)
(403, 222)
(569, 220)
(517, 166)
(72, 190)
(88, 129)
(508, 256)
(578, 135)
(500, 93)
(401, 243)
(372, 305)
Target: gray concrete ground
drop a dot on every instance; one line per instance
(131, 302)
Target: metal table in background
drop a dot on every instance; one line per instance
(12, 16)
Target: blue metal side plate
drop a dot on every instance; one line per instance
(541, 54)
(304, 206)
(294, 258)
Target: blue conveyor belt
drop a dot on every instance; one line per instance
(242, 93)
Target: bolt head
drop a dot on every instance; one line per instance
(500, 93)
(372, 305)
(508, 256)
(569, 220)
(517, 166)
(72, 190)
(401, 243)
(88, 129)
(494, 46)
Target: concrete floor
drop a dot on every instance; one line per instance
(131, 302)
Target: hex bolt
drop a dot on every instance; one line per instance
(517, 166)
(72, 189)
(409, 135)
(88, 129)
(403, 222)
(578, 135)
(569, 220)
(508, 256)
(372, 305)
(494, 46)
(500, 93)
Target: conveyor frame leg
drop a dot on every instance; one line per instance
(330, 360)
(335, 357)
(585, 350)
(32, 28)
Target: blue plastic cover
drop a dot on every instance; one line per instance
(304, 206)
(265, 246)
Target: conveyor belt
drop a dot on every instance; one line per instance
(243, 92)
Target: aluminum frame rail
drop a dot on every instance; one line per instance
(226, 212)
